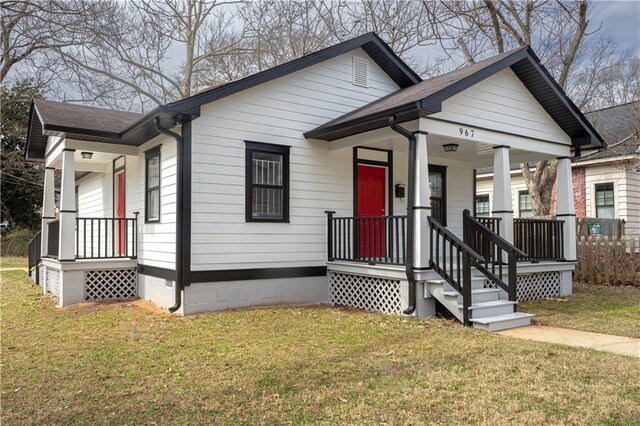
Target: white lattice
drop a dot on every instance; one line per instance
(535, 286)
(32, 274)
(364, 292)
(43, 275)
(53, 281)
(110, 284)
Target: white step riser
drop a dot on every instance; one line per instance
(491, 311)
(475, 284)
(479, 298)
(504, 325)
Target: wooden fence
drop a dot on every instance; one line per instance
(587, 226)
(605, 260)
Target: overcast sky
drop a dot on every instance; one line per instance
(621, 21)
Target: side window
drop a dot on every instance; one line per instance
(267, 182)
(482, 205)
(152, 185)
(524, 204)
(605, 206)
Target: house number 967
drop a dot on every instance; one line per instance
(466, 132)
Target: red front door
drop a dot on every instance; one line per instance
(371, 204)
(120, 212)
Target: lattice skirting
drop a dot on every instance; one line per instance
(110, 284)
(365, 292)
(32, 274)
(53, 281)
(43, 273)
(535, 286)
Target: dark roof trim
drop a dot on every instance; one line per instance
(433, 103)
(373, 45)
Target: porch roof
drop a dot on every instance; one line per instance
(425, 98)
(50, 118)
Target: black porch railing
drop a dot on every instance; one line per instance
(106, 237)
(374, 239)
(35, 254)
(492, 223)
(53, 238)
(540, 239)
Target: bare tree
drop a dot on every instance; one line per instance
(147, 53)
(31, 29)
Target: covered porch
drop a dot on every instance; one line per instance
(426, 176)
(95, 255)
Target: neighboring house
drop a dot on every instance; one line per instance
(292, 186)
(606, 183)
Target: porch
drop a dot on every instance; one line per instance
(436, 249)
(94, 256)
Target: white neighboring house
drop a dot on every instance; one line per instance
(606, 183)
(338, 177)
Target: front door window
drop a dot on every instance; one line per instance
(437, 184)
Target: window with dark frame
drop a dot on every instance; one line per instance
(152, 185)
(482, 205)
(524, 204)
(267, 182)
(605, 204)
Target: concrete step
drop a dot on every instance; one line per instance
(490, 309)
(477, 295)
(502, 322)
(476, 283)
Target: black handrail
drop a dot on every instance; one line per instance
(494, 248)
(369, 239)
(458, 273)
(35, 254)
(106, 237)
(541, 239)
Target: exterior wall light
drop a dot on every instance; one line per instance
(450, 147)
(86, 155)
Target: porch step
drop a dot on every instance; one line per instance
(490, 309)
(477, 295)
(503, 322)
(487, 311)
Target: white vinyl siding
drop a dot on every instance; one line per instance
(502, 102)
(157, 241)
(277, 112)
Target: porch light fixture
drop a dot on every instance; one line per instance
(450, 147)
(86, 155)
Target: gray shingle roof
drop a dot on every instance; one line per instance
(616, 124)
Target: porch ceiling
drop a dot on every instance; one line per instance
(99, 161)
(478, 154)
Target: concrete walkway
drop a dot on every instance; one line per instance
(582, 339)
(12, 269)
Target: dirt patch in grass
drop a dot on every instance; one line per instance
(601, 309)
(125, 364)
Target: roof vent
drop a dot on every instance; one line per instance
(360, 72)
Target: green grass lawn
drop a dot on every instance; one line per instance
(13, 262)
(601, 309)
(127, 363)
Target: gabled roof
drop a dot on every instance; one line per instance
(620, 127)
(426, 98)
(49, 118)
(371, 43)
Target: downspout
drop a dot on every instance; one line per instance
(411, 277)
(179, 215)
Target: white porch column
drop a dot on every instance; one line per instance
(565, 207)
(421, 204)
(48, 208)
(502, 202)
(67, 206)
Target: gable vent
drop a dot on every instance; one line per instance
(360, 72)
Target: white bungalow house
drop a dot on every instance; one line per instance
(338, 177)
